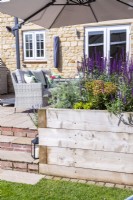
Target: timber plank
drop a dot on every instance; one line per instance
(93, 140)
(80, 158)
(87, 174)
(85, 120)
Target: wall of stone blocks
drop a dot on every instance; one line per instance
(71, 45)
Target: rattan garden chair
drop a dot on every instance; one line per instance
(29, 96)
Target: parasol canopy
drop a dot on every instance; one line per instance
(58, 13)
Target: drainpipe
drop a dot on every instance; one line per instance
(17, 43)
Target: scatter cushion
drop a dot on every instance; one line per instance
(29, 78)
(20, 75)
(39, 76)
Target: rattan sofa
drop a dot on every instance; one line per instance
(29, 96)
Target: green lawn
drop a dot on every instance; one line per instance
(59, 190)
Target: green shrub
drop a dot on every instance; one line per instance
(82, 105)
(87, 106)
(65, 95)
(78, 105)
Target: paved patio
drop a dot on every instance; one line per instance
(20, 119)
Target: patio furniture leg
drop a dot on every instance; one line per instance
(15, 109)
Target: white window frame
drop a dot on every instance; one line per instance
(34, 57)
(113, 28)
(106, 30)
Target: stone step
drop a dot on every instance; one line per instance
(20, 177)
(12, 143)
(18, 132)
(18, 161)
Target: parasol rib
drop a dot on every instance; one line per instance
(127, 4)
(93, 13)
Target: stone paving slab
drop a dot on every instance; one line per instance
(27, 123)
(22, 140)
(16, 156)
(20, 177)
(16, 120)
(7, 139)
(20, 119)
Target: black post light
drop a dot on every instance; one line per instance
(35, 148)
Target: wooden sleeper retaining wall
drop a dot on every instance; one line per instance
(85, 144)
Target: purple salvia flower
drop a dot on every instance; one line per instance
(124, 100)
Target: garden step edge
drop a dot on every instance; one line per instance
(16, 156)
(15, 140)
(18, 161)
(18, 132)
(20, 177)
(12, 143)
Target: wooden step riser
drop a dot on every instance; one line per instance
(7, 146)
(19, 166)
(18, 132)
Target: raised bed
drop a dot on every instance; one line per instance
(85, 144)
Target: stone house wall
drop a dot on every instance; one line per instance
(71, 45)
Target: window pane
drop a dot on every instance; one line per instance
(40, 45)
(30, 37)
(26, 38)
(37, 37)
(38, 53)
(95, 37)
(118, 36)
(27, 53)
(42, 53)
(118, 51)
(29, 45)
(96, 51)
(31, 53)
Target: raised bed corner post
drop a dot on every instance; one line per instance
(42, 123)
(42, 118)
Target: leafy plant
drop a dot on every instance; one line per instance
(81, 105)
(78, 105)
(128, 122)
(104, 85)
(116, 92)
(65, 95)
